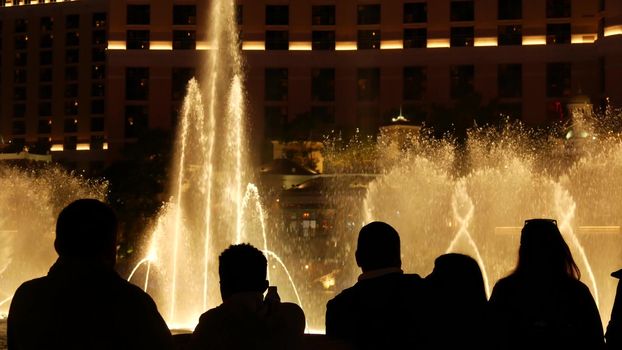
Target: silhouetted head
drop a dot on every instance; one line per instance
(378, 247)
(242, 268)
(543, 251)
(87, 230)
(460, 276)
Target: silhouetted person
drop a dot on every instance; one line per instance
(83, 303)
(459, 301)
(245, 320)
(385, 309)
(542, 304)
(614, 328)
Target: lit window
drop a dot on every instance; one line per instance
(137, 40)
(276, 81)
(510, 80)
(463, 10)
(558, 8)
(415, 81)
(184, 14)
(415, 38)
(368, 39)
(277, 15)
(137, 83)
(510, 35)
(277, 40)
(510, 9)
(462, 36)
(323, 15)
(323, 40)
(184, 40)
(368, 14)
(558, 79)
(415, 12)
(558, 33)
(323, 84)
(462, 81)
(368, 84)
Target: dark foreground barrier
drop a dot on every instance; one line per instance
(321, 341)
(309, 342)
(182, 340)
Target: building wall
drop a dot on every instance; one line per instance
(49, 31)
(594, 54)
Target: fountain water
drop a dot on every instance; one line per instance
(508, 178)
(30, 200)
(213, 204)
(437, 207)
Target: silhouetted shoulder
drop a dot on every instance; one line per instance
(412, 280)
(294, 316)
(135, 293)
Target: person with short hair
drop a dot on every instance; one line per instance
(245, 320)
(83, 303)
(458, 298)
(542, 304)
(385, 309)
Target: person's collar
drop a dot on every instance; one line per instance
(379, 272)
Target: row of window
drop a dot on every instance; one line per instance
(45, 76)
(71, 105)
(140, 40)
(72, 39)
(44, 126)
(141, 14)
(370, 14)
(98, 20)
(558, 78)
(45, 92)
(44, 145)
(462, 77)
(560, 33)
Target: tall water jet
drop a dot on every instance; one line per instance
(206, 210)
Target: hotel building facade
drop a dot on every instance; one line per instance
(340, 63)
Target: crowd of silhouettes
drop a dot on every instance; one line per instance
(83, 303)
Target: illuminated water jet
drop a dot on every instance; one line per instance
(460, 202)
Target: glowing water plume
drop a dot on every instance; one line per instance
(289, 276)
(2, 302)
(140, 263)
(188, 107)
(508, 174)
(6, 237)
(30, 201)
(235, 145)
(565, 208)
(151, 258)
(209, 136)
(206, 211)
(463, 211)
(252, 195)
